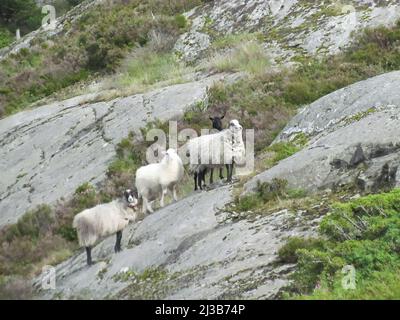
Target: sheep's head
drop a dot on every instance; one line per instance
(217, 122)
(235, 126)
(169, 154)
(131, 197)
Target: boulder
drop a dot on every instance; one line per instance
(354, 140)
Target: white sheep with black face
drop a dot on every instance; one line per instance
(224, 148)
(106, 219)
(155, 180)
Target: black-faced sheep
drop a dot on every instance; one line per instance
(217, 150)
(201, 171)
(217, 122)
(106, 219)
(155, 180)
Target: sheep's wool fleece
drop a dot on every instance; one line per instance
(151, 178)
(216, 149)
(172, 170)
(102, 220)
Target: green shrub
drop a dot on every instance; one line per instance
(15, 288)
(313, 267)
(380, 285)
(288, 252)
(5, 38)
(249, 57)
(147, 68)
(33, 224)
(282, 151)
(129, 158)
(96, 44)
(296, 193)
(363, 233)
(363, 218)
(273, 190)
(23, 14)
(181, 21)
(247, 202)
(265, 192)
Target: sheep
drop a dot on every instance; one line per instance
(201, 171)
(216, 150)
(216, 124)
(156, 179)
(105, 219)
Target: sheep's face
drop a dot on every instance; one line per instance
(217, 123)
(131, 197)
(170, 154)
(235, 126)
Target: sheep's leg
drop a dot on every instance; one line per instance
(211, 176)
(117, 247)
(146, 206)
(195, 182)
(227, 166)
(230, 172)
(163, 194)
(89, 256)
(203, 177)
(221, 176)
(174, 193)
(200, 179)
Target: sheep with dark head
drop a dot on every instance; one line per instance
(106, 219)
(217, 150)
(201, 171)
(217, 122)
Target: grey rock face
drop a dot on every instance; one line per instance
(191, 45)
(303, 27)
(354, 139)
(47, 152)
(205, 254)
(332, 111)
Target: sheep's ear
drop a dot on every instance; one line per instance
(212, 119)
(222, 117)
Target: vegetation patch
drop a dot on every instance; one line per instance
(363, 234)
(266, 192)
(152, 283)
(5, 37)
(359, 116)
(146, 67)
(95, 45)
(288, 253)
(283, 150)
(22, 14)
(249, 57)
(265, 101)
